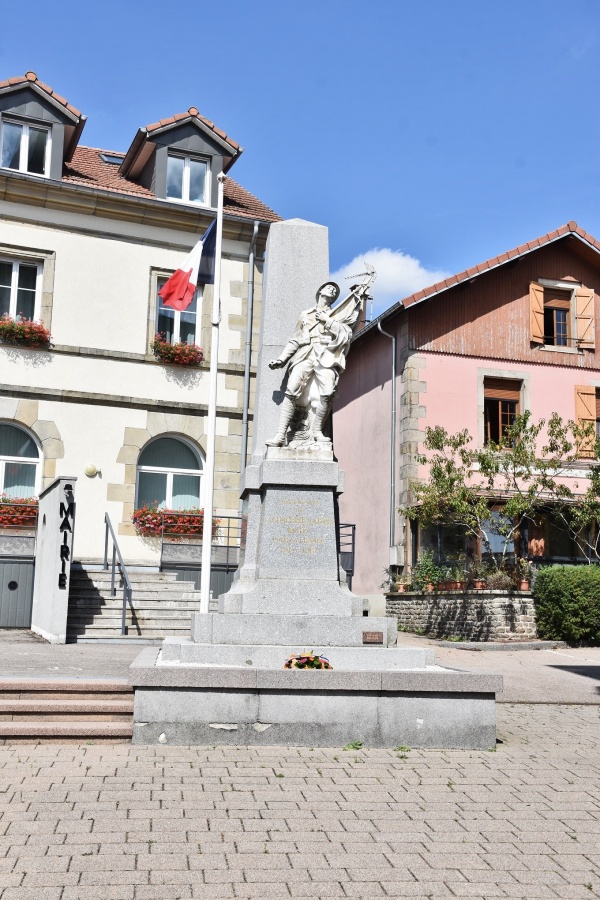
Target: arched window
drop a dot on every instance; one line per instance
(169, 473)
(19, 462)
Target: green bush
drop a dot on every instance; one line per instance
(567, 603)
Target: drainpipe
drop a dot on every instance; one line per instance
(248, 348)
(393, 440)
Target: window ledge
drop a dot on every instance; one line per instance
(553, 349)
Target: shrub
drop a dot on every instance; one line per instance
(567, 603)
(23, 332)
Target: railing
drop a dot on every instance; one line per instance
(117, 562)
(347, 535)
(182, 537)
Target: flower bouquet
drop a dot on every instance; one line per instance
(307, 661)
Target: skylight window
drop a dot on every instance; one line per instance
(112, 158)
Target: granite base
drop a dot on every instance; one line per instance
(207, 705)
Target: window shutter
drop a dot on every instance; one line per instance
(585, 411)
(536, 312)
(584, 316)
(502, 389)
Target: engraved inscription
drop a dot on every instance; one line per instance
(298, 531)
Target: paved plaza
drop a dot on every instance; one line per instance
(93, 821)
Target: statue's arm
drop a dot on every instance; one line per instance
(299, 339)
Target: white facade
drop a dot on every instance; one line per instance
(97, 395)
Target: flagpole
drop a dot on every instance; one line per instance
(211, 419)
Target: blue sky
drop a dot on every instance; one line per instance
(440, 132)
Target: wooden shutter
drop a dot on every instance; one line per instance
(584, 317)
(585, 411)
(536, 313)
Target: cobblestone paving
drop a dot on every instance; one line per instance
(164, 823)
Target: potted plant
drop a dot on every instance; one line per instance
(23, 332)
(500, 581)
(458, 577)
(179, 354)
(523, 573)
(426, 574)
(477, 574)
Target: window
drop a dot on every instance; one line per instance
(501, 402)
(187, 179)
(25, 148)
(19, 462)
(177, 326)
(557, 318)
(562, 315)
(113, 159)
(169, 474)
(20, 284)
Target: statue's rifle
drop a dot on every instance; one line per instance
(358, 292)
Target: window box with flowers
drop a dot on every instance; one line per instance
(17, 514)
(23, 332)
(178, 354)
(174, 524)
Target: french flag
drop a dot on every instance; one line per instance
(197, 267)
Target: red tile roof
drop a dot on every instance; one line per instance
(89, 169)
(193, 113)
(569, 228)
(31, 78)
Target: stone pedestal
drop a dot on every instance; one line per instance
(227, 683)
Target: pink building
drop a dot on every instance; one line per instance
(517, 332)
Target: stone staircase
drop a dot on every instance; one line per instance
(63, 710)
(160, 606)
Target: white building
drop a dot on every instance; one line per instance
(86, 236)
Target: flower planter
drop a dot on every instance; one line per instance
(180, 354)
(479, 584)
(23, 333)
(307, 661)
(524, 585)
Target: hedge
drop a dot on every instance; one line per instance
(567, 603)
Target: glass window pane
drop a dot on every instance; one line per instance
(166, 324)
(11, 145)
(175, 177)
(186, 491)
(36, 155)
(4, 301)
(16, 442)
(27, 277)
(5, 274)
(25, 304)
(169, 453)
(187, 328)
(152, 488)
(197, 181)
(19, 479)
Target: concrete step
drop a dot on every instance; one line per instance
(151, 634)
(42, 710)
(147, 596)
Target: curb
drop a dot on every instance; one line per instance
(503, 645)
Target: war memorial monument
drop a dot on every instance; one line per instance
(226, 683)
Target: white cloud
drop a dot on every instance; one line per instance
(398, 275)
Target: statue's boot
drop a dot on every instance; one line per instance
(286, 416)
(320, 416)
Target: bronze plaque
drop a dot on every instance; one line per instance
(372, 637)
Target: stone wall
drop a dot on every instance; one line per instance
(470, 615)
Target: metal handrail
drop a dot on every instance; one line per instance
(116, 554)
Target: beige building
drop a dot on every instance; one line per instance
(87, 237)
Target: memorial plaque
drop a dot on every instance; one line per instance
(372, 637)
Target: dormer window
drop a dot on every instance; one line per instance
(187, 179)
(25, 148)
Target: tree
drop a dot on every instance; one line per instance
(500, 488)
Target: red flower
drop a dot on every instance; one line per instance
(180, 354)
(23, 332)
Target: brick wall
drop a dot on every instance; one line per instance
(471, 615)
